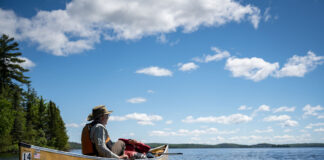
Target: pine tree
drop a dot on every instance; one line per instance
(41, 125)
(10, 68)
(31, 116)
(6, 119)
(18, 129)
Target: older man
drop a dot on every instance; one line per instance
(96, 132)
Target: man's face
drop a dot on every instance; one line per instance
(105, 119)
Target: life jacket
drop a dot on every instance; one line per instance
(89, 148)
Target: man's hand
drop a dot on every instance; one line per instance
(124, 156)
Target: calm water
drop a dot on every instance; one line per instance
(238, 154)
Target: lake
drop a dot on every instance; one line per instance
(239, 154)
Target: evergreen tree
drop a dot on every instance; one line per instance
(31, 116)
(18, 129)
(10, 68)
(24, 116)
(6, 119)
(41, 125)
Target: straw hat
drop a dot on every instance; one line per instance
(97, 112)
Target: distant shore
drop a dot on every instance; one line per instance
(74, 145)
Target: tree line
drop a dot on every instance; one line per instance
(24, 115)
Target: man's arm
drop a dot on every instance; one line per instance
(99, 138)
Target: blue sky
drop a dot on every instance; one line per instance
(178, 71)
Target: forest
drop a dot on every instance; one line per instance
(24, 115)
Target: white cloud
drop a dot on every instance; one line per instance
(188, 66)
(155, 71)
(287, 130)
(244, 107)
(262, 108)
(169, 122)
(216, 57)
(298, 66)
(141, 118)
(268, 130)
(150, 91)
(136, 100)
(276, 118)
(284, 119)
(286, 137)
(163, 133)
(310, 126)
(162, 39)
(284, 109)
(267, 15)
(311, 111)
(195, 132)
(255, 69)
(81, 24)
(320, 117)
(289, 123)
(232, 119)
(72, 125)
(319, 130)
(27, 64)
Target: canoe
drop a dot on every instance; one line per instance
(31, 152)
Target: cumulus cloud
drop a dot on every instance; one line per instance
(195, 132)
(216, 57)
(27, 64)
(155, 71)
(298, 66)
(141, 118)
(72, 125)
(284, 109)
(285, 120)
(289, 123)
(311, 111)
(188, 66)
(169, 122)
(276, 118)
(311, 125)
(150, 91)
(136, 100)
(268, 130)
(319, 130)
(255, 69)
(81, 24)
(262, 108)
(244, 107)
(231, 119)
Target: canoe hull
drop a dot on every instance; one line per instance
(30, 152)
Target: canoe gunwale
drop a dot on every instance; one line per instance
(37, 149)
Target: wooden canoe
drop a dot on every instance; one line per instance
(31, 152)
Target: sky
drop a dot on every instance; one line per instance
(178, 71)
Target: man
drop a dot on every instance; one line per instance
(101, 143)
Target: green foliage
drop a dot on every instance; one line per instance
(6, 119)
(10, 68)
(24, 116)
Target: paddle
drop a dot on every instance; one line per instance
(170, 153)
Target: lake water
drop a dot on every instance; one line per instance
(238, 154)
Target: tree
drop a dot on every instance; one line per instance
(6, 124)
(10, 68)
(19, 124)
